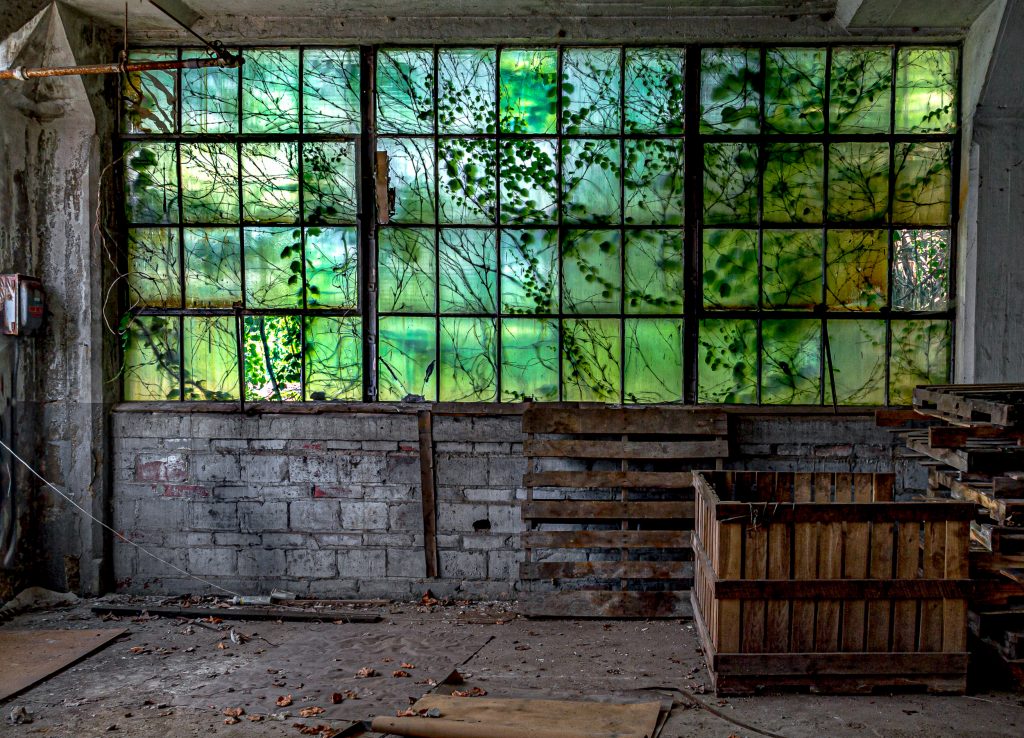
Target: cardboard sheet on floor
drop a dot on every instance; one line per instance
(479, 717)
(30, 656)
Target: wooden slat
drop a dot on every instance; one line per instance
(607, 604)
(607, 538)
(822, 487)
(843, 589)
(904, 618)
(805, 559)
(753, 612)
(606, 569)
(896, 417)
(583, 510)
(802, 487)
(648, 420)
(652, 450)
(830, 554)
(884, 484)
(849, 511)
(946, 436)
(954, 610)
(779, 553)
(855, 566)
(880, 568)
(811, 664)
(609, 479)
(729, 566)
(933, 566)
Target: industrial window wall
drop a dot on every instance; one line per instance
(613, 224)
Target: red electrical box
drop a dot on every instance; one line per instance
(23, 304)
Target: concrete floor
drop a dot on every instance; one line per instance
(182, 681)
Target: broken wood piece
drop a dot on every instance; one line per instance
(240, 613)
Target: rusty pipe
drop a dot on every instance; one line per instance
(21, 73)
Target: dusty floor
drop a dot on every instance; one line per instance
(173, 678)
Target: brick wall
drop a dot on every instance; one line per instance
(329, 505)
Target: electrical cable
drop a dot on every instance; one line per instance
(118, 535)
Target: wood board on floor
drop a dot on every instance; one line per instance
(476, 717)
(30, 656)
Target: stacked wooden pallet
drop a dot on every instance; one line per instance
(609, 508)
(976, 454)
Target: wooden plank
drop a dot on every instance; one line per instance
(822, 487)
(838, 512)
(653, 450)
(904, 616)
(883, 487)
(855, 566)
(753, 612)
(881, 567)
(991, 460)
(779, 562)
(607, 539)
(830, 556)
(805, 566)
(954, 610)
(818, 664)
(607, 604)
(896, 417)
(287, 614)
(648, 420)
(609, 479)
(946, 436)
(842, 589)
(933, 565)
(730, 566)
(427, 491)
(802, 489)
(30, 656)
(565, 510)
(606, 569)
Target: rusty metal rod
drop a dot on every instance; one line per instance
(21, 73)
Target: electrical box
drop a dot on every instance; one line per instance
(24, 305)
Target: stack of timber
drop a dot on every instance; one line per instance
(609, 508)
(821, 581)
(976, 454)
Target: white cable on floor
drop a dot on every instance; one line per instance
(92, 517)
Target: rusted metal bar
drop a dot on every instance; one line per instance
(22, 73)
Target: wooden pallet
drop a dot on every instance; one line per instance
(622, 482)
(996, 404)
(820, 581)
(1003, 511)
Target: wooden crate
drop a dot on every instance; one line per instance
(821, 581)
(630, 556)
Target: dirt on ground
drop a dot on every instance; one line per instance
(183, 677)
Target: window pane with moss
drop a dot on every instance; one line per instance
(270, 182)
(405, 91)
(654, 360)
(273, 268)
(406, 270)
(591, 90)
(468, 269)
(590, 181)
(655, 91)
(730, 97)
(411, 174)
(148, 98)
(727, 361)
(791, 273)
(407, 358)
(858, 181)
(330, 91)
(529, 359)
(923, 183)
(654, 272)
(152, 358)
(591, 271)
(795, 90)
(926, 90)
(920, 270)
(529, 272)
(209, 97)
(528, 185)
(213, 267)
(730, 183)
(332, 267)
(920, 355)
(590, 360)
(653, 181)
(857, 270)
(209, 183)
(465, 96)
(528, 90)
(858, 362)
(469, 350)
(329, 181)
(150, 182)
(270, 91)
(466, 184)
(334, 359)
(861, 90)
(791, 362)
(273, 358)
(211, 358)
(794, 190)
(730, 268)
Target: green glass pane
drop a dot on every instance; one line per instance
(529, 272)
(150, 183)
(791, 274)
(153, 268)
(469, 351)
(858, 362)
(794, 189)
(332, 268)
(730, 268)
(411, 174)
(653, 181)
(329, 181)
(654, 272)
(727, 361)
(405, 91)
(920, 270)
(466, 181)
(858, 181)
(924, 188)
(528, 183)
(655, 99)
(920, 355)
(591, 271)
(334, 359)
(213, 267)
(407, 358)
(469, 270)
(209, 97)
(794, 90)
(590, 181)
(528, 90)
(406, 270)
(730, 183)
(926, 90)
(730, 95)
(591, 352)
(654, 361)
(270, 91)
(273, 268)
(591, 90)
(791, 362)
(211, 358)
(209, 183)
(152, 359)
(857, 270)
(273, 358)
(529, 360)
(270, 182)
(148, 98)
(465, 97)
(330, 91)
(861, 91)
